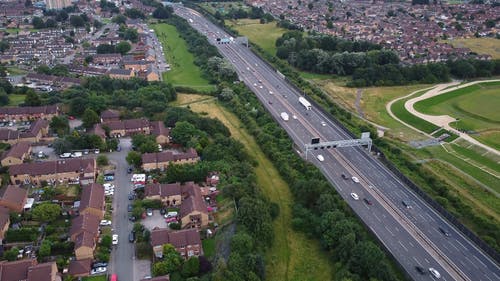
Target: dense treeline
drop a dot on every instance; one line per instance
(318, 210)
(369, 64)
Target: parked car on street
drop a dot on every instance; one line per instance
(115, 239)
(98, 270)
(105, 222)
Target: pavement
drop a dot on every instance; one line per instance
(156, 220)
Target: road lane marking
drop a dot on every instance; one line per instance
(402, 245)
(389, 231)
(480, 262)
(411, 244)
(461, 245)
(473, 263)
(377, 217)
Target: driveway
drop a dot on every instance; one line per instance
(156, 220)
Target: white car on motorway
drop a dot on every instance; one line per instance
(354, 196)
(435, 273)
(105, 222)
(294, 117)
(115, 239)
(320, 158)
(355, 179)
(323, 123)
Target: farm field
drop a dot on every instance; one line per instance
(475, 106)
(183, 70)
(488, 46)
(292, 256)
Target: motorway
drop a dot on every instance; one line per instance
(411, 235)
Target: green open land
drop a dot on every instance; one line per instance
(292, 256)
(264, 35)
(400, 111)
(476, 106)
(15, 100)
(95, 278)
(488, 46)
(183, 70)
(223, 7)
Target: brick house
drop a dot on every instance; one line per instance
(187, 242)
(29, 270)
(92, 200)
(29, 112)
(69, 170)
(9, 136)
(169, 194)
(17, 154)
(193, 212)
(128, 127)
(84, 233)
(161, 133)
(109, 115)
(161, 160)
(80, 268)
(118, 73)
(37, 130)
(13, 197)
(104, 59)
(85, 244)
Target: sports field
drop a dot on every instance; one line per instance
(183, 70)
(475, 106)
(293, 256)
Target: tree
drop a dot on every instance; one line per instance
(191, 267)
(11, 255)
(119, 19)
(32, 99)
(4, 98)
(46, 212)
(50, 23)
(45, 248)
(102, 160)
(89, 118)
(184, 132)
(134, 158)
(162, 12)
(105, 49)
(123, 47)
(4, 45)
(60, 125)
(76, 21)
(38, 23)
(134, 14)
(106, 241)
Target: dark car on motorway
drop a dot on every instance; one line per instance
(420, 270)
(446, 233)
(344, 176)
(367, 201)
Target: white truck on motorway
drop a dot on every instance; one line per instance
(284, 116)
(305, 103)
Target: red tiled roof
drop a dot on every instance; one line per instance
(7, 134)
(15, 270)
(18, 150)
(29, 110)
(79, 267)
(14, 195)
(52, 167)
(41, 272)
(85, 239)
(180, 238)
(168, 156)
(159, 129)
(163, 190)
(129, 124)
(194, 201)
(85, 223)
(92, 197)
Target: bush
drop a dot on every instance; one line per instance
(102, 160)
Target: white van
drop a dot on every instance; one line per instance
(321, 158)
(76, 154)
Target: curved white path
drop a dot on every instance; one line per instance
(444, 121)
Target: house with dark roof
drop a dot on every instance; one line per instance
(160, 132)
(161, 160)
(73, 170)
(29, 112)
(109, 115)
(37, 130)
(84, 233)
(9, 136)
(193, 212)
(13, 197)
(80, 268)
(187, 241)
(128, 127)
(170, 194)
(118, 73)
(92, 200)
(16, 154)
(28, 270)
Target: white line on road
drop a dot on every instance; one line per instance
(403, 246)
(411, 244)
(392, 234)
(377, 217)
(426, 260)
(415, 259)
(480, 261)
(455, 247)
(473, 264)
(461, 245)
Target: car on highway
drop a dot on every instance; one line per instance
(345, 177)
(420, 270)
(354, 196)
(98, 270)
(270, 92)
(367, 201)
(323, 123)
(105, 223)
(445, 233)
(406, 204)
(294, 116)
(261, 87)
(435, 273)
(355, 179)
(115, 239)
(270, 102)
(131, 218)
(320, 158)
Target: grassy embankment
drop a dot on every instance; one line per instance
(478, 45)
(183, 70)
(292, 256)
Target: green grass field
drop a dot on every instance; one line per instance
(488, 46)
(264, 35)
(183, 70)
(209, 247)
(292, 256)
(399, 110)
(15, 100)
(476, 106)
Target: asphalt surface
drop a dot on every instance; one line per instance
(122, 256)
(411, 235)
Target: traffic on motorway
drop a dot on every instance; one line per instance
(424, 243)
